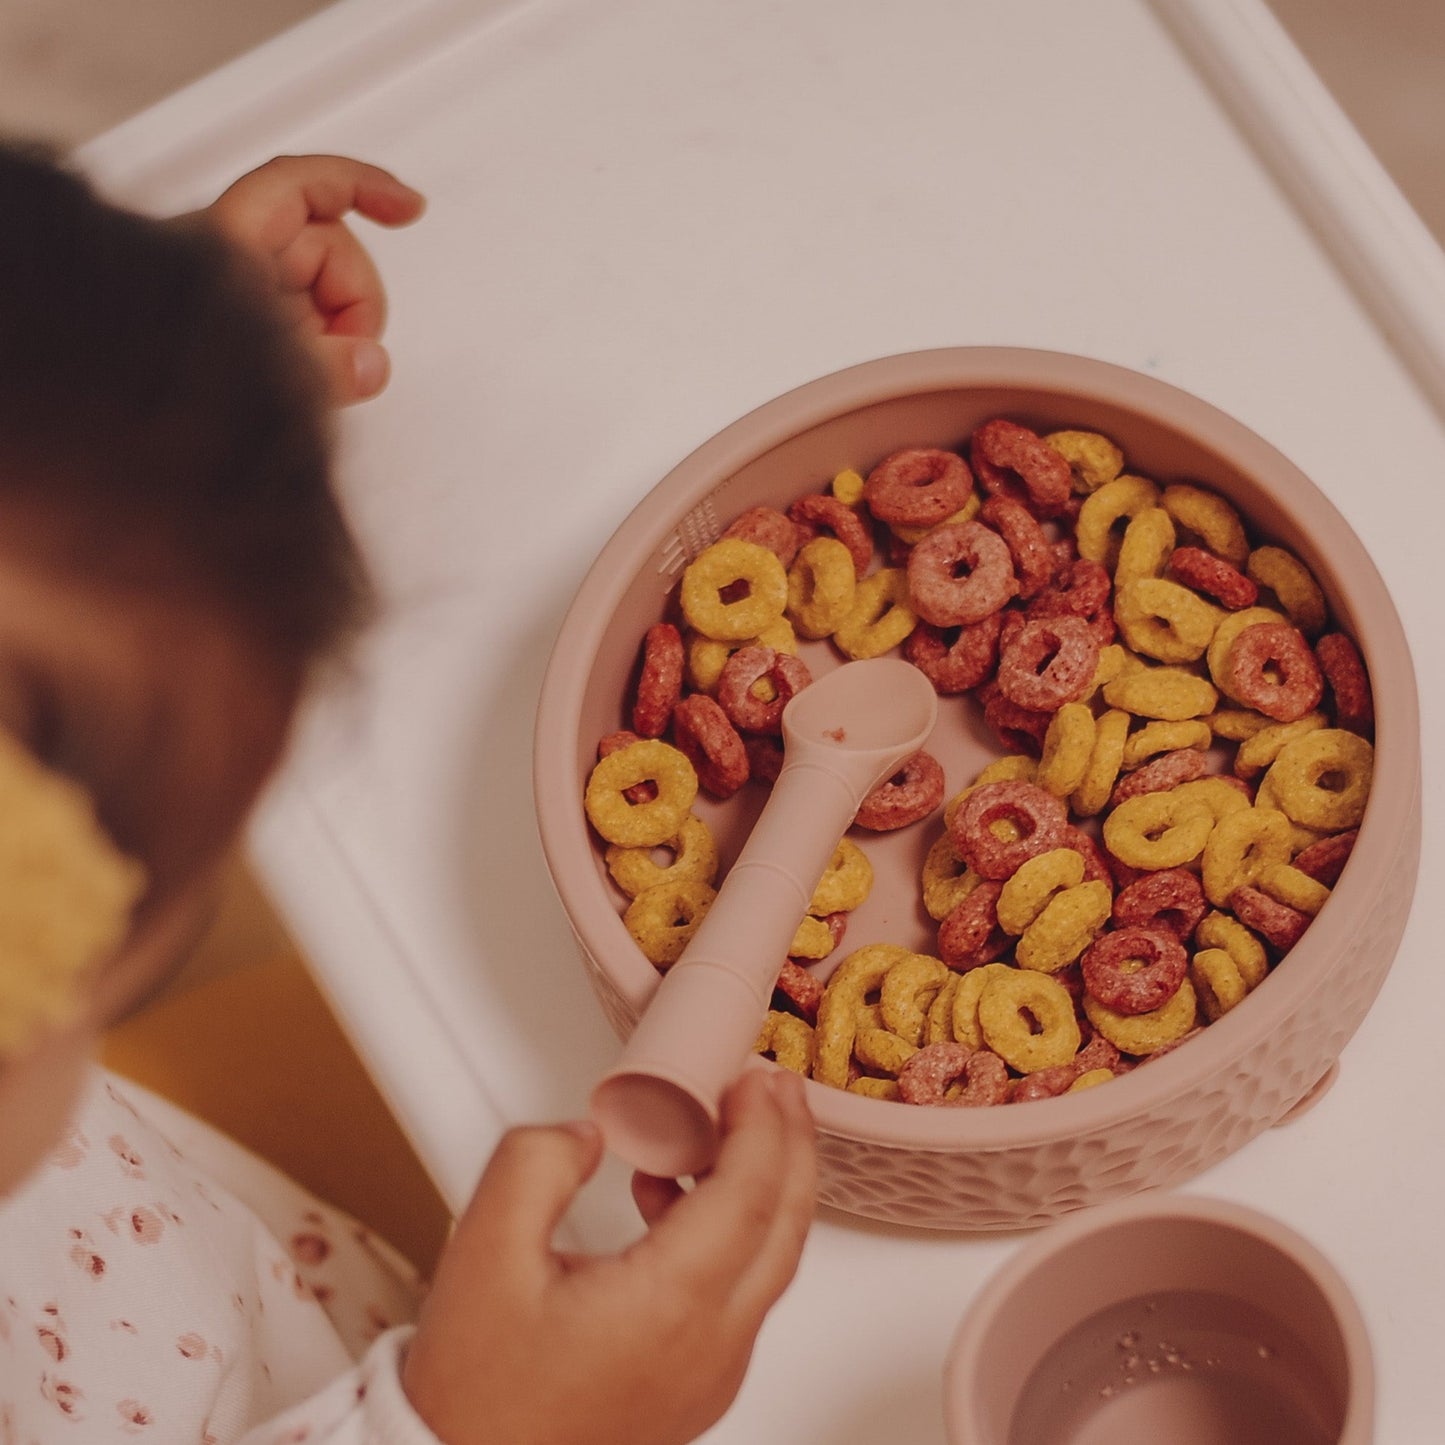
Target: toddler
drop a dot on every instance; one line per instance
(174, 570)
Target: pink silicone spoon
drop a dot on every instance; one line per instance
(658, 1108)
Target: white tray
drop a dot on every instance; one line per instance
(649, 217)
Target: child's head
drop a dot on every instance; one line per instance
(172, 558)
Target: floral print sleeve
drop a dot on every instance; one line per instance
(161, 1285)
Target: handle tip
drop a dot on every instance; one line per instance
(655, 1125)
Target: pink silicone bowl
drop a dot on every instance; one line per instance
(1014, 1165)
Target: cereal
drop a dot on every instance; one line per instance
(1068, 747)
(659, 686)
(1027, 1019)
(1322, 780)
(706, 656)
(1082, 591)
(1067, 925)
(1039, 816)
(1165, 737)
(966, 1027)
(918, 487)
(947, 879)
(1256, 752)
(644, 824)
(788, 1040)
(882, 1051)
(1282, 925)
(880, 617)
(819, 514)
(1210, 518)
(1325, 860)
(926, 1077)
(908, 990)
(938, 1025)
(969, 936)
(1145, 547)
(1171, 900)
(770, 528)
(1290, 885)
(737, 687)
(848, 487)
(1147, 1033)
(1014, 462)
(799, 988)
(846, 881)
(871, 1088)
(859, 975)
(1094, 789)
(1090, 1079)
(1158, 830)
(1135, 970)
(1162, 620)
(938, 594)
(1219, 930)
(1219, 793)
(821, 584)
(1205, 572)
(715, 573)
(912, 792)
(1019, 729)
(711, 744)
(813, 939)
(1231, 625)
(1169, 693)
(694, 855)
(1292, 583)
(1165, 772)
(1093, 459)
(1096, 530)
(1270, 668)
(1034, 883)
(1048, 662)
(1218, 983)
(1349, 683)
(1033, 559)
(663, 919)
(958, 663)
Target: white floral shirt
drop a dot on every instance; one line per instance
(161, 1285)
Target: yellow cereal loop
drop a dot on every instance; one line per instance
(1322, 780)
(694, 855)
(1093, 459)
(914, 535)
(1286, 884)
(1069, 923)
(1096, 532)
(1110, 733)
(1028, 1020)
(641, 825)
(908, 990)
(706, 656)
(1210, 518)
(662, 920)
(1068, 746)
(1146, 1033)
(947, 879)
(1089, 1079)
(1220, 930)
(1217, 981)
(938, 1026)
(788, 1041)
(1158, 830)
(848, 486)
(1218, 795)
(860, 975)
(1012, 768)
(846, 881)
(1236, 723)
(812, 940)
(1170, 693)
(1165, 737)
(1263, 746)
(1293, 583)
(1165, 621)
(821, 586)
(729, 566)
(880, 617)
(1240, 847)
(1114, 661)
(1217, 654)
(1036, 881)
(871, 1088)
(1144, 551)
(1300, 837)
(881, 1051)
(970, 989)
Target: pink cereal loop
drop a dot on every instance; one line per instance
(1270, 668)
(1072, 652)
(770, 528)
(748, 712)
(659, 686)
(1040, 818)
(1030, 549)
(1162, 962)
(955, 660)
(937, 591)
(819, 513)
(918, 487)
(1012, 461)
(1019, 729)
(925, 1078)
(1344, 670)
(1183, 765)
(970, 936)
(711, 744)
(912, 792)
(1205, 572)
(1171, 899)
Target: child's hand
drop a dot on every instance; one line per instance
(288, 215)
(521, 1344)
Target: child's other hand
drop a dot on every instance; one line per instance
(287, 214)
(523, 1344)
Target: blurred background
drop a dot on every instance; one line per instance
(244, 1039)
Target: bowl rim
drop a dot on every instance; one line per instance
(1387, 834)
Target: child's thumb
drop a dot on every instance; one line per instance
(532, 1178)
(356, 367)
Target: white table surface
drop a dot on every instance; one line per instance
(646, 218)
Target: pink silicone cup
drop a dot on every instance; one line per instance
(658, 1109)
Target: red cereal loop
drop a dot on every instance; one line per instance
(955, 659)
(1344, 670)
(1082, 591)
(1205, 572)
(1098, 1053)
(1030, 549)
(1168, 770)
(1325, 860)
(1043, 1083)
(801, 990)
(819, 513)
(918, 487)
(837, 926)
(643, 792)
(940, 594)
(770, 528)
(765, 757)
(1096, 863)
(1065, 554)
(1019, 729)
(1048, 662)
(896, 551)
(659, 686)
(748, 712)
(1171, 899)
(1161, 964)
(1012, 461)
(1039, 817)
(1278, 923)
(970, 936)
(910, 793)
(925, 1078)
(711, 744)
(1270, 668)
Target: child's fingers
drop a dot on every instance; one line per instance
(327, 263)
(356, 367)
(654, 1196)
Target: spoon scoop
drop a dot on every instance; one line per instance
(843, 735)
